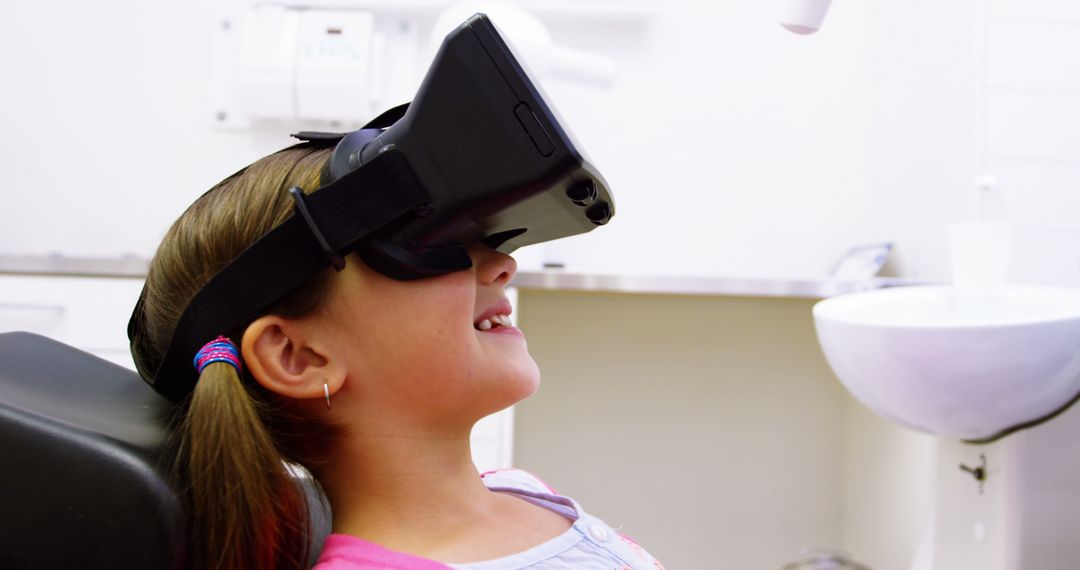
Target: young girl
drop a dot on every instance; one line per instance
(373, 385)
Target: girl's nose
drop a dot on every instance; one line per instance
(492, 267)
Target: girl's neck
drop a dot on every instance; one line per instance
(411, 494)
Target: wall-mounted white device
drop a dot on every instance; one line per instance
(337, 65)
(306, 66)
(303, 64)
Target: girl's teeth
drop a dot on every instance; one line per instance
(494, 320)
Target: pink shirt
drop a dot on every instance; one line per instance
(345, 552)
(588, 544)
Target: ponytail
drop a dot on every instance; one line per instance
(249, 513)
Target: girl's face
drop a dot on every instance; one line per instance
(437, 351)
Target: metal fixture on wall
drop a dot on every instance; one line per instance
(979, 473)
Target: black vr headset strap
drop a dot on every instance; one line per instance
(345, 211)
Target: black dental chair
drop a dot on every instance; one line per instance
(83, 483)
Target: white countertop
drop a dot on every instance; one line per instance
(554, 279)
(692, 285)
(67, 266)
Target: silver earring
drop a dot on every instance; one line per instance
(326, 392)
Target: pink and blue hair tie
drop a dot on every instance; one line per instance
(221, 349)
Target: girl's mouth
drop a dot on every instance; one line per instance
(493, 322)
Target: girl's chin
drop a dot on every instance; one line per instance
(521, 383)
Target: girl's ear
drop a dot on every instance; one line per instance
(284, 358)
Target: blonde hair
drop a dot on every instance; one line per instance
(234, 437)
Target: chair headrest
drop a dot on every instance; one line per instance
(84, 483)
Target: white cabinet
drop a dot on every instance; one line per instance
(89, 313)
(493, 441)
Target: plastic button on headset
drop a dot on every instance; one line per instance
(600, 213)
(535, 130)
(583, 194)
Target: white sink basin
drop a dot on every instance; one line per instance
(960, 362)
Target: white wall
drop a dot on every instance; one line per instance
(1031, 127)
(733, 146)
(106, 124)
(795, 148)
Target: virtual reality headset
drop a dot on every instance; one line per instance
(478, 156)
